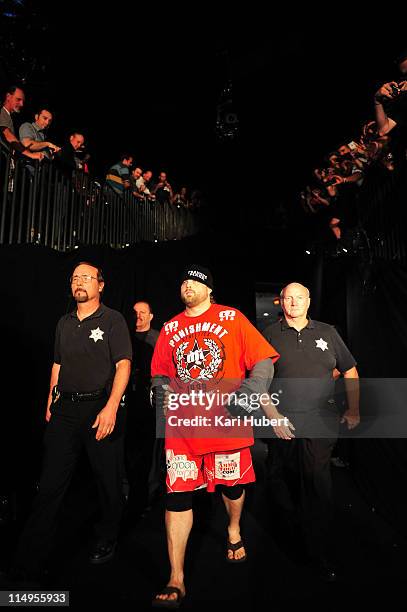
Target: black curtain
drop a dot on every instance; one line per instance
(372, 301)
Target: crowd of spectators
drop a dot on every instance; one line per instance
(125, 176)
(31, 142)
(335, 184)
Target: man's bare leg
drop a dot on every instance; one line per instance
(234, 509)
(178, 526)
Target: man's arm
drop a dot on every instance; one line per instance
(39, 145)
(54, 381)
(156, 187)
(283, 431)
(257, 385)
(8, 134)
(16, 145)
(353, 178)
(351, 416)
(384, 123)
(106, 419)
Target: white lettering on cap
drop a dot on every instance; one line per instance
(198, 274)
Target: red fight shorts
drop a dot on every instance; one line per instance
(187, 472)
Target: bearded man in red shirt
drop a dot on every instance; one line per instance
(201, 357)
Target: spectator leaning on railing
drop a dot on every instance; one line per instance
(135, 175)
(32, 134)
(71, 158)
(66, 158)
(13, 103)
(118, 177)
(144, 185)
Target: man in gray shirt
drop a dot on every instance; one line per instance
(13, 102)
(32, 135)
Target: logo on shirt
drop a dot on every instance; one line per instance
(178, 466)
(199, 359)
(96, 334)
(227, 467)
(321, 344)
(171, 327)
(227, 315)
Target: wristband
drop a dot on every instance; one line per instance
(239, 405)
(157, 397)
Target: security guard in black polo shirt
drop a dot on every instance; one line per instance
(140, 428)
(89, 376)
(309, 352)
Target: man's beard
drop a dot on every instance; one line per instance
(192, 300)
(81, 295)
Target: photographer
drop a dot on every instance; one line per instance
(390, 101)
(163, 190)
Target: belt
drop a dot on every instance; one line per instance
(73, 396)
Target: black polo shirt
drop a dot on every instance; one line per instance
(312, 352)
(143, 349)
(88, 350)
(309, 354)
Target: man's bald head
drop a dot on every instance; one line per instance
(294, 287)
(295, 301)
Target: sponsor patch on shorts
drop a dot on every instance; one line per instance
(227, 467)
(178, 466)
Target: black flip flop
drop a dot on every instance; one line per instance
(170, 604)
(235, 547)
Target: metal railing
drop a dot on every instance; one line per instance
(382, 211)
(41, 205)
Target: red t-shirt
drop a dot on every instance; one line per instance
(209, 355)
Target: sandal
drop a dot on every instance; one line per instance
(170, 604)
(234, 548)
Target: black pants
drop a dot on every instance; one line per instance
(299, 476)
(68, 432)
(143, 474)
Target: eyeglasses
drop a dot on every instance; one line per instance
(83, 278)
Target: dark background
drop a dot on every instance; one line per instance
(148, 80)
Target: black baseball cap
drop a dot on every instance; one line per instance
(198, 273)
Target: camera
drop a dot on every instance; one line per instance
(395, 90)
